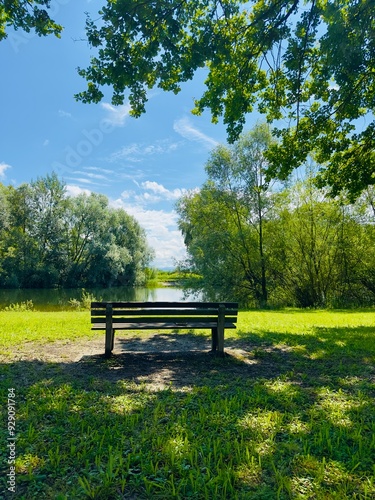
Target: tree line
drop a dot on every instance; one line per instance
(48, 239)
(266, 243)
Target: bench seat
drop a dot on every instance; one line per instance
(216, 316)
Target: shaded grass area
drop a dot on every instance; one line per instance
(288, 413)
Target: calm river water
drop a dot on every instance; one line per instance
(59, 299)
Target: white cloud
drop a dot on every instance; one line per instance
(82, 180)
(116, 115)
(184, 127)
(74, 191)
(160, 190)
(152, 192)
(3, 168)
(46, 142)
(162, 232)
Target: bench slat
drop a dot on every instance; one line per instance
(160, 326)
(163, 319)
(153, 305)
(165, 312)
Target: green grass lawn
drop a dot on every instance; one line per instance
(289, 413)
(36, 326)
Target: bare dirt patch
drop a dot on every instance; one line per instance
(75, 351)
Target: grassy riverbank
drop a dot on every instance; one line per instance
(287, 414)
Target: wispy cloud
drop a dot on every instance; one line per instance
(97, 176)
(185, 128)
(3, 168)
(136, 152)
(94, 176)
(130, 153)
(46, 142)
(116, 115)
(98, 169)
(64, 114)
(131, 174)
(73, 191)
(91, 175)
(83, 180)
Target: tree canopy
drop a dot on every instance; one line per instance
(27, 15)
(309, 66)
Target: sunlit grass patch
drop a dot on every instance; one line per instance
(36, 326)
(262, 426)
(28, 464)
(338, 406)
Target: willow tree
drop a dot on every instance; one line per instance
(309, 64)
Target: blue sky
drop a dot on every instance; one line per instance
(142, 165)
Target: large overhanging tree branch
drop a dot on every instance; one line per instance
(27, 15)
(309, 66)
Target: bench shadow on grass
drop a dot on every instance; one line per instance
(182, 359)
(154, 379)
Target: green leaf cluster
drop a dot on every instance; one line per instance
(28, 15)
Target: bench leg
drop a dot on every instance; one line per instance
(220, 330)
(109, 332)
(214, 340)
(109, 341)
(220, 342)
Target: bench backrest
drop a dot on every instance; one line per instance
(164, 312)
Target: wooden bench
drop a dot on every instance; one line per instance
(112, 316)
